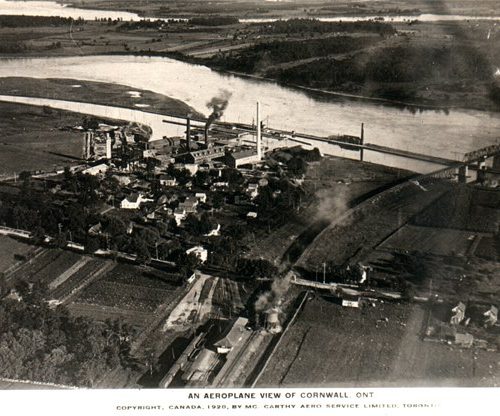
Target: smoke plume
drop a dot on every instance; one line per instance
(272, 298)
(217, 104)
(329, 206)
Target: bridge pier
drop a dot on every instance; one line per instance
(495, 162)
(463, 173)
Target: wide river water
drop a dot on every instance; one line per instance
(51, 8)
(437, 133)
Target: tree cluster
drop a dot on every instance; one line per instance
(37, 21)
(214, 21)
(303, 26)
(260, 56)
(48, 345)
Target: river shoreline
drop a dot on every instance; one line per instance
(412, 106)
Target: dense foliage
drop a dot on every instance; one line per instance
(388, 67)
(303, 26)
(13, 47)
(47, 345)
(36, 21)
(214, 21)
(260, 56)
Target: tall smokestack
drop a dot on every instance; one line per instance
(109, 145)
(259, 133)
(188, 134)
(361, 150)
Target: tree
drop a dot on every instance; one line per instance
(38, 235)
(90, 123)
(141, 250)
(92, 244)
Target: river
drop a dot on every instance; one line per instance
(52, 8)
(429, 132)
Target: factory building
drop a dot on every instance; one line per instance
(202, 155)
(242, 157)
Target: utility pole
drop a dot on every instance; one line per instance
(324, 273)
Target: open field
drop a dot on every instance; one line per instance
(439, 241)
(10, 249)
(465, 208)
(353, 236)
(75, 280)
(333, 185)
(102, 313)
(46, 267)
(330, 346)
(93, 92)
(33, 132)
(122, 289)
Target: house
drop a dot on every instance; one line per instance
(464, 340)
(458, 314)
(141, 184)
(122, 179)
(179, 215)
(167, 180)
(96, 170)
(133, 201)
(95, 229)
(233, 337)
(251, 215)
(491, 316)
(192, 168)
(252, 190)
(189, 204)
(351, 303)
(242, 157)
(214, 232)
(201, 196)
(220, 184)
(148, 153)
(200, 252)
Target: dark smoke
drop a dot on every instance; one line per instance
(217, 104)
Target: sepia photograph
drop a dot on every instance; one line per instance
(286, 202)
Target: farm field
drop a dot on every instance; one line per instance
(128, 288)
(34, 133)
(465, 208)
(439, 241)
(102, 313)
(330, 346)
(352, 237)
(78, 278)
(9, 248)
(46, 267)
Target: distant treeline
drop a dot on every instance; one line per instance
(259, 56)
(389, 67)
(294, 26)
(13, 47)
(214, 21)
(34, 21)
(148, 24)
